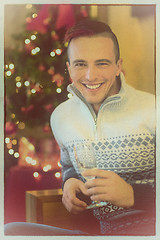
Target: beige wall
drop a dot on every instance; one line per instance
(136, 37)
(14, 19)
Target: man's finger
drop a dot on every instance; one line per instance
(75, 201)
(98, 173)
(97, 190)
(73, 205)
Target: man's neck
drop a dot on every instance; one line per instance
(113, 91)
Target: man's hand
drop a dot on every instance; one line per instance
(69, 199)
(108, 186)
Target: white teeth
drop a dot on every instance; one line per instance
(93, 86)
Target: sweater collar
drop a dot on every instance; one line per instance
(117, 97)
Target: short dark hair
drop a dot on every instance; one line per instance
(91, 28)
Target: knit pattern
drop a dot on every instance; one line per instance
(132, 157)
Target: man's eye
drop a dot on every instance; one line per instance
(80, 65)
(102, 64)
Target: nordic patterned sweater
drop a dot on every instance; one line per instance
(123, 136)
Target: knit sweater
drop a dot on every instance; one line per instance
(123, 137)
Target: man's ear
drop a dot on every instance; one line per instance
(119, 66)
(68, 67)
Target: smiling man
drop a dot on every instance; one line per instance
(118, 121)
(94, 70)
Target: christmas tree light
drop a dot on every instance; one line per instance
(16, 155)
(36, 174)
(57, 174)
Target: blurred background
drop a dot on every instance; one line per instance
(36, 79)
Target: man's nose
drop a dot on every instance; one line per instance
(91, 73)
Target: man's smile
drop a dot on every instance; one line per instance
(92, 86)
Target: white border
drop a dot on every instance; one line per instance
(81, 2)
(113, 2)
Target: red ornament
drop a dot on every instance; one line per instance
(27, 109)
(10, 128)
(47, 129)
(49, 108)
(58, 78)
(51, 71)
(41, 67)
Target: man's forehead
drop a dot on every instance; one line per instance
(90, 44)
(96, 37)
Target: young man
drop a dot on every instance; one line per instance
(119, 122)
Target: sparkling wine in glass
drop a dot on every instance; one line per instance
(85, 158)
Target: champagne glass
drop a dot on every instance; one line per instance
(85, 158)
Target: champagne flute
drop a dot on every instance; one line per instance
(85, 158)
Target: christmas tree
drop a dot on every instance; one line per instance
(35, 73)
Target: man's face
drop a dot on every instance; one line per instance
(93, 68)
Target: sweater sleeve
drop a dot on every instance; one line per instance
(68, 170)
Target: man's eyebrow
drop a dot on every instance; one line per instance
(103, 60)
(78, 61)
